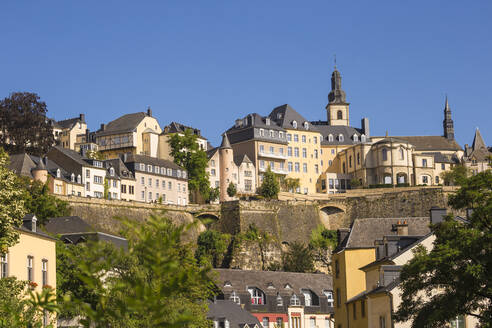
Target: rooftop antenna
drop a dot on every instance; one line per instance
(335, 61)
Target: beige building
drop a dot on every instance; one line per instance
(126, 178)
(68, 131)
(33, 259)
(164, 151)
(157, 180)
(135, 133)
(478, 157)
(262, 141)
(225, 167)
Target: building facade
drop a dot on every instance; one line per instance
(478, 157)
(67, 131)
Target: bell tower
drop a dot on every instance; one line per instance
(337, 108)
(448, 124)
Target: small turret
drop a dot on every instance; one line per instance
(226, 159)
(40, 173)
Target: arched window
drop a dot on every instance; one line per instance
(72, 177)
(339, 115)
(402, 154)
(294, 124)
(306, 126)
(363, 138)
(257, 296)
(340, 137)
(58, 173)
(385, 154)
(79, 179)
(294, 300)
(111, 171)
(356, 138)
(330, 137)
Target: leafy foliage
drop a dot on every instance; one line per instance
(456, 176)
(289, 184)
(155, 283)
(212, 247)
(213, 194)
(39, 201)
(270, 186)
(231, 189)
(456, 275)
(299, 258)
(19, 307)
(23, 124)
(12, 207)
(187, 153)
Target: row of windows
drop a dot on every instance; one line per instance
(4, 268)
(131, 189)
(272, 150)
(295, 167)
(341, 138)
(303, 138)
(335, 184)
(279, 165)
(304, 152)
(310, 298)
(272, 133)
(160, 170)
(160, 198)
(158, 183)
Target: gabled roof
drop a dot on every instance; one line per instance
(284, 116)
(68, 224)
(478, 142)
(234, 313)
(431, 143)
(240, 159)
(364, 232)
(73, 155)
(273, 282)
(125, 123)
(69, 123)
(120, 168)
(175, 127)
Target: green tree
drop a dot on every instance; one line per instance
(456, 275)
(231, 189)
(355, 183)
(19, 307)
(299, 258)
(212, 247)
(270, 186)
(456, 176)
(39, 201)
(289, 184)
(213, 195)
(187, 153)
(155, 283)
(95, 155)
(23, 124)
(12, 207)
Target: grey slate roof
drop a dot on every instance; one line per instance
(336, 130)
(234, 313)
(125, 123)
(240, 159)
(241, 279)
(133, 158)
(175, 127)
(69, 123)
(430, 143)
(120, 168)
(364, 232)
(73, 155)
(443, 158)
(211, 152)
(284, 116)
(22, 164)
(225, 141)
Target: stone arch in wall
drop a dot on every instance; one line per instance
(332, 216)
(208, 219)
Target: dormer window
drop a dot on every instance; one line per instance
(149, 168)
(262, 133)
(310, 298)
(79, 179)
(267, 121)
(169, 172)
(111, 171)
(294, 300)
(184, 174)
(280, 301)
(329, 297)
(227, 284)
(179, 173)
(355, 137)
(330, 138)
(340, 137)
(287, 286)
(294, 124)
(58, 173)
(279, 116)
(257, 296)
(235, 298)
(306, 126)
(363, 138)
(272, 134)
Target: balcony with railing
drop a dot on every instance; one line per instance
(274, 170)
(272, 155)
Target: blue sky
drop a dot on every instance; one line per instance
(206, 63)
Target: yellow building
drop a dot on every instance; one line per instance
(164, 151)
(303, 147)
(33, 258)
(135, 133)
(356, 249)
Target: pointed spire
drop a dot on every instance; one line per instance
(41, 165)
(336, 95)
(478, 142)
(225, 142)
(446, 105)
(448, 124)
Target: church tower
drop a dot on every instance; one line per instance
(337, 108)
(448, 122)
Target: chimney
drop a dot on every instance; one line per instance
(437, 214)
(402, 228)
(82, 118)
(342, 234)
(103, 126)
(149, 112)
(29, 222)
(365, 126)
(86, 135)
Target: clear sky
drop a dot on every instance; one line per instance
(207, 63)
